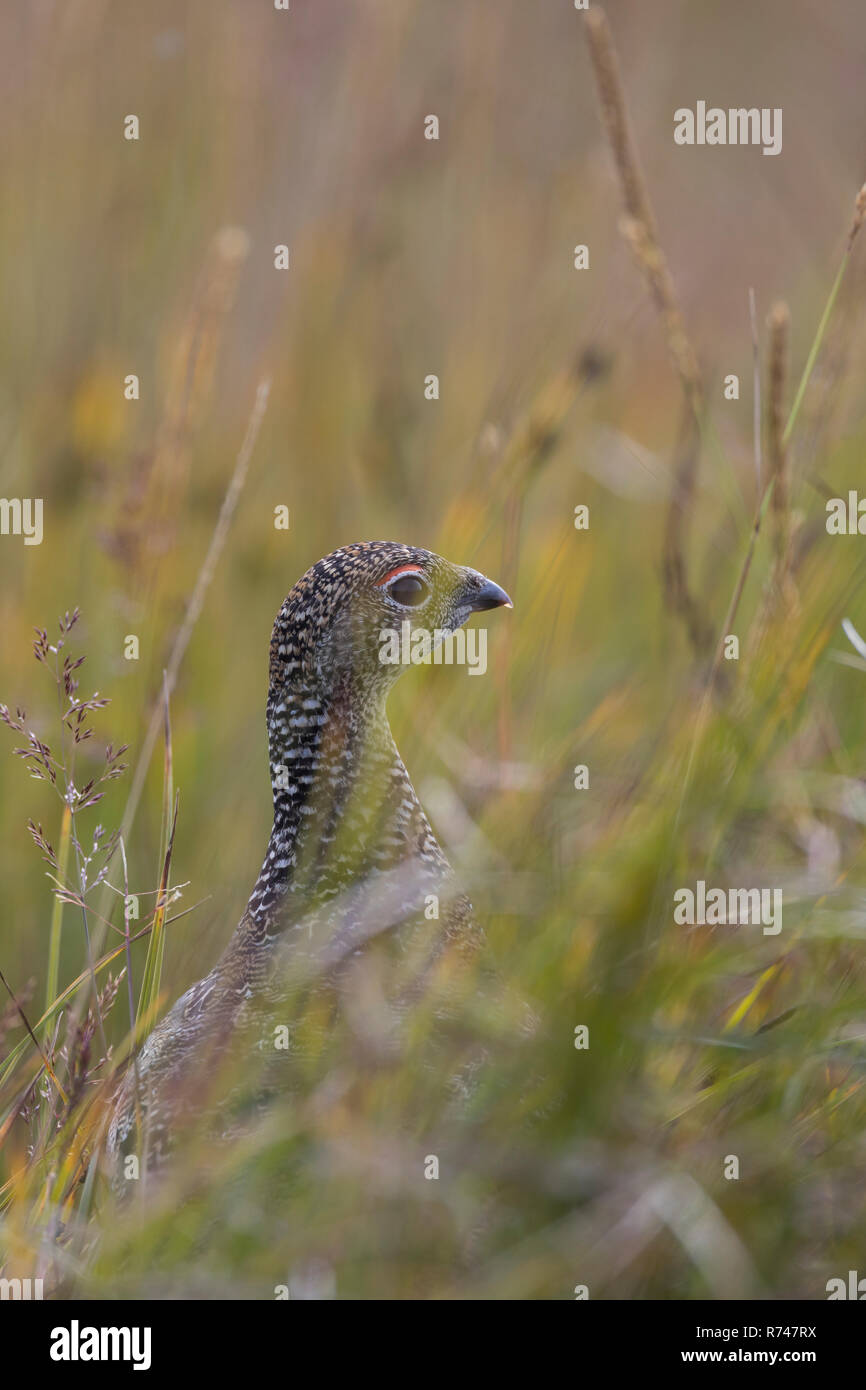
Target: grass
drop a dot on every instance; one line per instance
(601, 1166)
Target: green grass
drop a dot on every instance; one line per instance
(603, 1166)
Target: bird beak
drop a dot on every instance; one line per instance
(489, 596)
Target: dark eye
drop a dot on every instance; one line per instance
(408, 590)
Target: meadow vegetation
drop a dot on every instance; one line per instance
(602, 1165)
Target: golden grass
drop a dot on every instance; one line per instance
(600, 1166)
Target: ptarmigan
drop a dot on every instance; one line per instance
(352, 863)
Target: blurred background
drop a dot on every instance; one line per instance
(455, 257)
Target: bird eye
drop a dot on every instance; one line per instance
(408, 590)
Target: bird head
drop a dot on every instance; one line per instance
(353, 617)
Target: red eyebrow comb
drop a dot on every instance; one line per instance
(401, 569)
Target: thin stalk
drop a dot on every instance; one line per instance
(856, 225)
(815, 348)
(53, 976)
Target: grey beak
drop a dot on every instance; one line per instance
(489, 596)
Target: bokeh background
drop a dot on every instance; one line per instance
(455, 257)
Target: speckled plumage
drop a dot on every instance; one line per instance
(352, 861)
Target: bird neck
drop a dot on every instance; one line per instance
(343, 801)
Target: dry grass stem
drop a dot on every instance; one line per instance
(638, 228)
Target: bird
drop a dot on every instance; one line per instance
(352, 868)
